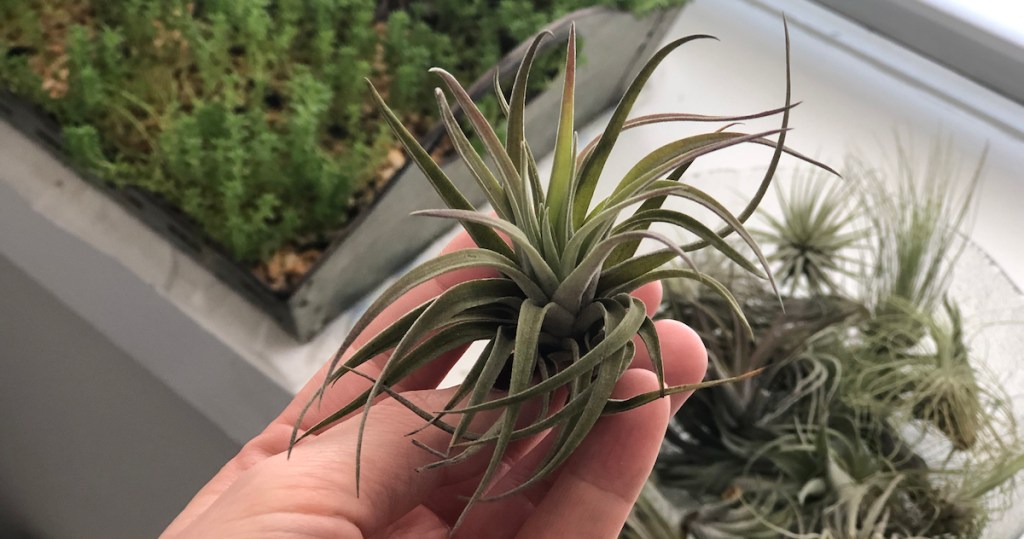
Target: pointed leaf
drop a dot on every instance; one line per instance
(446, 263)
(561, 180)
(498, 93)
(679, 273)
(570, 292)
(617, 406)
(565, 414)
(545, 275)
(668, 117)
(649, 335)
(762, 189)
(633, 268)
(689, 224)
(604, 384)
(627, 250)
(484, 178)
(696, 195)
(467, 384)
(531, 318)
(591, 171)
(446, 339)
(517, 106)
(457, 299)
(506, 169)
(500, 352)
(670, 156)
(485, 238)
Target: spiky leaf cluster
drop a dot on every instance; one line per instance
(650, 518)
(814, 236)
(558, 317)
(871, 418)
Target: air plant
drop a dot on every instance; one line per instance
(871, 418)
(933, 381)
(815, 235)
(918, 226)
(559, 320)
(914, 356)
(650, 518)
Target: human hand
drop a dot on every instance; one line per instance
(262, 492)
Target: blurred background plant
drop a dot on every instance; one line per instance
(252, 116)
(874, 416)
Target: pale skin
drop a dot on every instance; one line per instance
(263, 493)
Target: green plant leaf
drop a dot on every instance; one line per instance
(616, 406)
(445, 340)
(668, 117)
(501, 351)
(466, 258)
(679, 273)
(483, 176)
(545, 275)
(517, 106)
(560, 185)
(484, 237)
(641, 219)
(670, 156)
(591, 169)
(570, 292)
(531, 318)
(608, 373)
(506, 169)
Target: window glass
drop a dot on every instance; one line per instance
(1004, 18)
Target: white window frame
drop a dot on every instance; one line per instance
(987, 57)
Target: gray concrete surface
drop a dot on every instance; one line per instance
(91, 443)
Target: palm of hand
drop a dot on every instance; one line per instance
(262, 492)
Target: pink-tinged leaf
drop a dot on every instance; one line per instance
(561, 182)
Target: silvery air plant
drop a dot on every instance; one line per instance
(875, 415)
(559, 321)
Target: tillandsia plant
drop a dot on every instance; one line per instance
(558, 321)
(650, 517)
(814, 242)
(872, 417)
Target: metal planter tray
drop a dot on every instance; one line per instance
(384, 237)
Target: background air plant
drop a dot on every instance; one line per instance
(814, 235)
(558, 320)
(649, 518)
(872, 418)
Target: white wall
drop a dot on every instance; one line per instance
(91, 444)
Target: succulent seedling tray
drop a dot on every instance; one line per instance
(384, 236)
